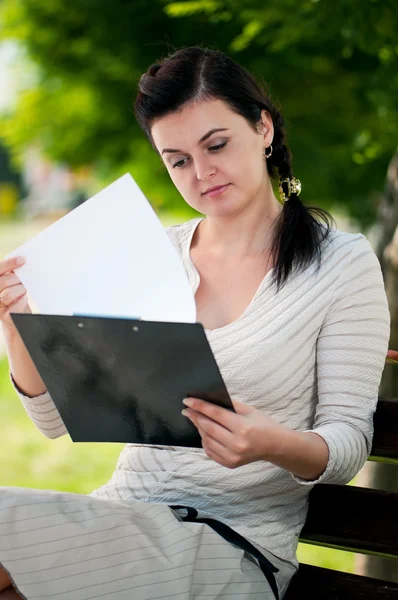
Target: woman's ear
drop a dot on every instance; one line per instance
(267, 127)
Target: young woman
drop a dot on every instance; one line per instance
(297, 318)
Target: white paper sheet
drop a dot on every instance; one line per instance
(110, 256)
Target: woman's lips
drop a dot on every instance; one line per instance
(218, 191)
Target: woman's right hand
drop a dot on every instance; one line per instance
(13, 295)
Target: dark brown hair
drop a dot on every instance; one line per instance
(198, 73)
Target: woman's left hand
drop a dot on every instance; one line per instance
(232, 439)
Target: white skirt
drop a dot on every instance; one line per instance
(63, 546)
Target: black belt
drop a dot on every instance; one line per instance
(235, 538)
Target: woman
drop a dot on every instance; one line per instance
(297, 318)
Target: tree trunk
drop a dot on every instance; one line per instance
(377, 475)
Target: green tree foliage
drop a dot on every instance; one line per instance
(331, 67)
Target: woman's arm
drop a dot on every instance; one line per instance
(248, 435)
(30, 388)
(304, 454)
(24, 372)
(351, 353)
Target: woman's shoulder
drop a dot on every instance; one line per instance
(349, 263)
(181, 228)
(344, 247)
(336, 240)
(179, 234)
(339, 249)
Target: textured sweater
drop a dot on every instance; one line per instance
(310, 356)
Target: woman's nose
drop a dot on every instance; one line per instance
(204, 170)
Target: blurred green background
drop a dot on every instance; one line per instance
(71, 69)
(332, 67)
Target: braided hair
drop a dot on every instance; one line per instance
(198, 73)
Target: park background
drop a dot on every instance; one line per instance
(69, 73)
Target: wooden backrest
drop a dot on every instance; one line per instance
(354, 519)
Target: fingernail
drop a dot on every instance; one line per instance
(20, 260)
(185, 413)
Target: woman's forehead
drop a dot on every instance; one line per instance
(191, 123)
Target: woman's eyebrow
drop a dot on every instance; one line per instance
(202, 139)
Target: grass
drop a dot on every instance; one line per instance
(28, 459)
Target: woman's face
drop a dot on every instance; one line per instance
(205, 145)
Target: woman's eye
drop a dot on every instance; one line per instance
(181, 163)
(177, 164)
(218, 147)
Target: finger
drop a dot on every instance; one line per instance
(9, 264)
(8, 280)
(241, 408)
(211, 453)
(20, 305)
(214, 429)
(219, 453)
(222, 415)
(214, 444)
(10, 295)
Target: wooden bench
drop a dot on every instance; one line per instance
(354, 519)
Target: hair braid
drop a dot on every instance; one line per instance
(281, 158)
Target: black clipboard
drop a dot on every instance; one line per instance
(123, 380)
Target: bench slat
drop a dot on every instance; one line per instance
(385, 441)
(353, 518)
(316, 582)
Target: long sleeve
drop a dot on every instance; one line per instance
(351, 352)
(42, 411)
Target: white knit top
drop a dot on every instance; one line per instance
(311, 357)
